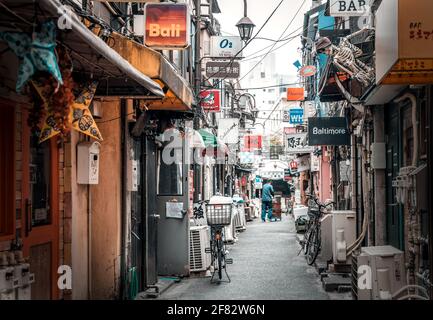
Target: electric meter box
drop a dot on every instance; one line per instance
(88, 162)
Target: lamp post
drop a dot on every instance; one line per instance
(245, 25)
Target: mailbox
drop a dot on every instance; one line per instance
(88, 162)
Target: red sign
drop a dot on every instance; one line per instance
(167, 25)
(293, 165)
(210, 100)
(252, 143)
(295, 94)
(289, 130)
(307, 71)
(243, 181)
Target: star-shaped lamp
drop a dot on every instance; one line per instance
(36, 53)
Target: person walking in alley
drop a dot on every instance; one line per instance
(267, 195)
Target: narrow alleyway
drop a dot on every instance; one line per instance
(266, 266)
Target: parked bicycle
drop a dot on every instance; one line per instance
(311, 245)
(218, 216)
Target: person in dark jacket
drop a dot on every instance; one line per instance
(267, 195)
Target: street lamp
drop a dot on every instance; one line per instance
(245, 25)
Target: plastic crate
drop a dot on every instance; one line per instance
(219, 214)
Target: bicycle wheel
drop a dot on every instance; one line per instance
(313, 245)
(307, 233)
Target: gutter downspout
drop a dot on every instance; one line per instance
(123, 275)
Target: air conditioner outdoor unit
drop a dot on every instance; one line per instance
(199, 260)
(378, 273)
(343, 234)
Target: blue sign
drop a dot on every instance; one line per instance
(296, 116)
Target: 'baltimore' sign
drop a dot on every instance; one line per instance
(328, 131)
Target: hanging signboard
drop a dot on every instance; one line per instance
(167, 26)
(252, 143)
(210, 100)
(297, 143)
(223, 69)
(225, 47)
(307, 71)
(328, 131)
(349, 8)
(289, 130)
(228, 130)
(258, 184)
(295, 94)
(296, 116)
(246, 157)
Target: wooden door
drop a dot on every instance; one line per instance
(40, 219)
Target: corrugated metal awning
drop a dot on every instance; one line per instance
(92, 57)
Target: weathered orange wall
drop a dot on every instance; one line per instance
(107, 207)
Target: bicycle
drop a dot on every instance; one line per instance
(312, 237)
(218, 216)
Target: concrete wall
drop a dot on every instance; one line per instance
(107, 207)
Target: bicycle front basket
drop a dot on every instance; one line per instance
(219, 214)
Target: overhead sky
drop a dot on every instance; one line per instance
(258, 11)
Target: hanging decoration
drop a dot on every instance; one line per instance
(36, 53)
(82, 119)
(57, 101)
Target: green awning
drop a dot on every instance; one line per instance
(212, 142)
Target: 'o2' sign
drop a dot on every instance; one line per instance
(225, 47)
(225, 43)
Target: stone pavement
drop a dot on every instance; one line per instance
(265, 266)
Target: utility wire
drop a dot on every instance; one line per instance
(287, 27)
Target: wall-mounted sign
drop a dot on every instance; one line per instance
(210, 100)
(252, 142)
(307, 71)
(246, 157)
(328, 131)
(315, 163)
(404, 43)
(351, 8)
(303, 163)
(223, 69)
(167, 25)
(225, 47)
(297, 143)
(296, 116)
(289, 130)
(295, 94)
(228, 130)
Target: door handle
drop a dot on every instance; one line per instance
(28, 216)
(156, 216)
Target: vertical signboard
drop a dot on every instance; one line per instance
(166, 25)
(210, 100)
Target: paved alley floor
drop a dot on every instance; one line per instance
(265, 267)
